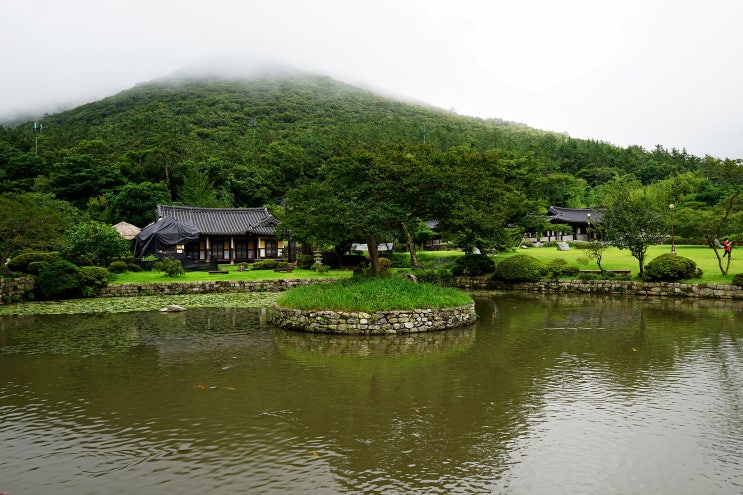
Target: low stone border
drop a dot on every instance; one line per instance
(16, 289)
(207, 287)
(616, 286)
(377, 323)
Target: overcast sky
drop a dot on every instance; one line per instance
(642, 72)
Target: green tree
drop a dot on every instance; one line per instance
(33, 222)
(199, 190)
(95, 243)
(79, 177)
(136, 203)
(635, 217)
(719, 221)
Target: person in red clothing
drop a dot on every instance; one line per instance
(728, 248)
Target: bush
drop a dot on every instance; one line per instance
(384, 266)
(133, 267)
(439, 276)
(265, 265)
(520, 268)
(95, 243)
(172, 268)
(320, 268)
(473, 265)
(399, 259)
(92, 280)
(20, 263)
(738, 279)
(305, 261)
(670, 268)
(117, 267)
(35, 267)
(58, 280)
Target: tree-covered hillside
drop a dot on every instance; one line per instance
(246, 142)
(348, 165)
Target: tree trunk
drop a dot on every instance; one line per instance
(373, 254)
(411, 247)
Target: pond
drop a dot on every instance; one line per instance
(546, 394)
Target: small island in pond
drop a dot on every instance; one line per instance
(374, 306)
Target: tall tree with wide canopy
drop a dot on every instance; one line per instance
(726, 176)
(635, 217)
(383, 195)
(136, 203)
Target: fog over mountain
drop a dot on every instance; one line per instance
(627, 72)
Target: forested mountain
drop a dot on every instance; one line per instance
(246, 142)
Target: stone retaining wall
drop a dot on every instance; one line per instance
(377, 323)
(617, 286)
(20, 289)
(16, 289)
(207, 287)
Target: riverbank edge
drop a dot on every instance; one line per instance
(21, 289)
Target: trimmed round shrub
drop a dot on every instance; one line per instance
(20, 263)
(520, 268)
(670, 268)
(133, 267)
(738, 279)
(58, 280)
(117, 267)
(265, 265)
(92, 279)
(473, 265)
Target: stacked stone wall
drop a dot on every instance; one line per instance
(206, 287)
(22, 288)
(616, 286)
(16, 289)
(377, 323)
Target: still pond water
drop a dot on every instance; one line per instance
(545, 395)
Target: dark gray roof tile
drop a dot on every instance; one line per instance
(223, 221)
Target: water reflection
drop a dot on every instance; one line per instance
(547, 394)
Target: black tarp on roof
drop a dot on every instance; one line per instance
(161, 234)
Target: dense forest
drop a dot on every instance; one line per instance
(246, 143)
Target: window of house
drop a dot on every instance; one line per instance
(241, 249)
(272, 249)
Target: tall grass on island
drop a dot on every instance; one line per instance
(372, 294)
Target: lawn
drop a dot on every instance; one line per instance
(233, 274)
(615, 259)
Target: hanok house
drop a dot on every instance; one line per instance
(222, 235)
(581, 219)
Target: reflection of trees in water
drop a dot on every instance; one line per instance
(394, 410)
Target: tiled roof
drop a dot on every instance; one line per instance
(223, 221)
(558, 214)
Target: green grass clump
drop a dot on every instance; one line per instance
(372, 294)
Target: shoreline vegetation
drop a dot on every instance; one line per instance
(614, 259)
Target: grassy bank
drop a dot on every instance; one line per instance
(375, 294)
(232, 274)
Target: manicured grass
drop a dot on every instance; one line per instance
(372, 294)
(153, 276)
(615, 259)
